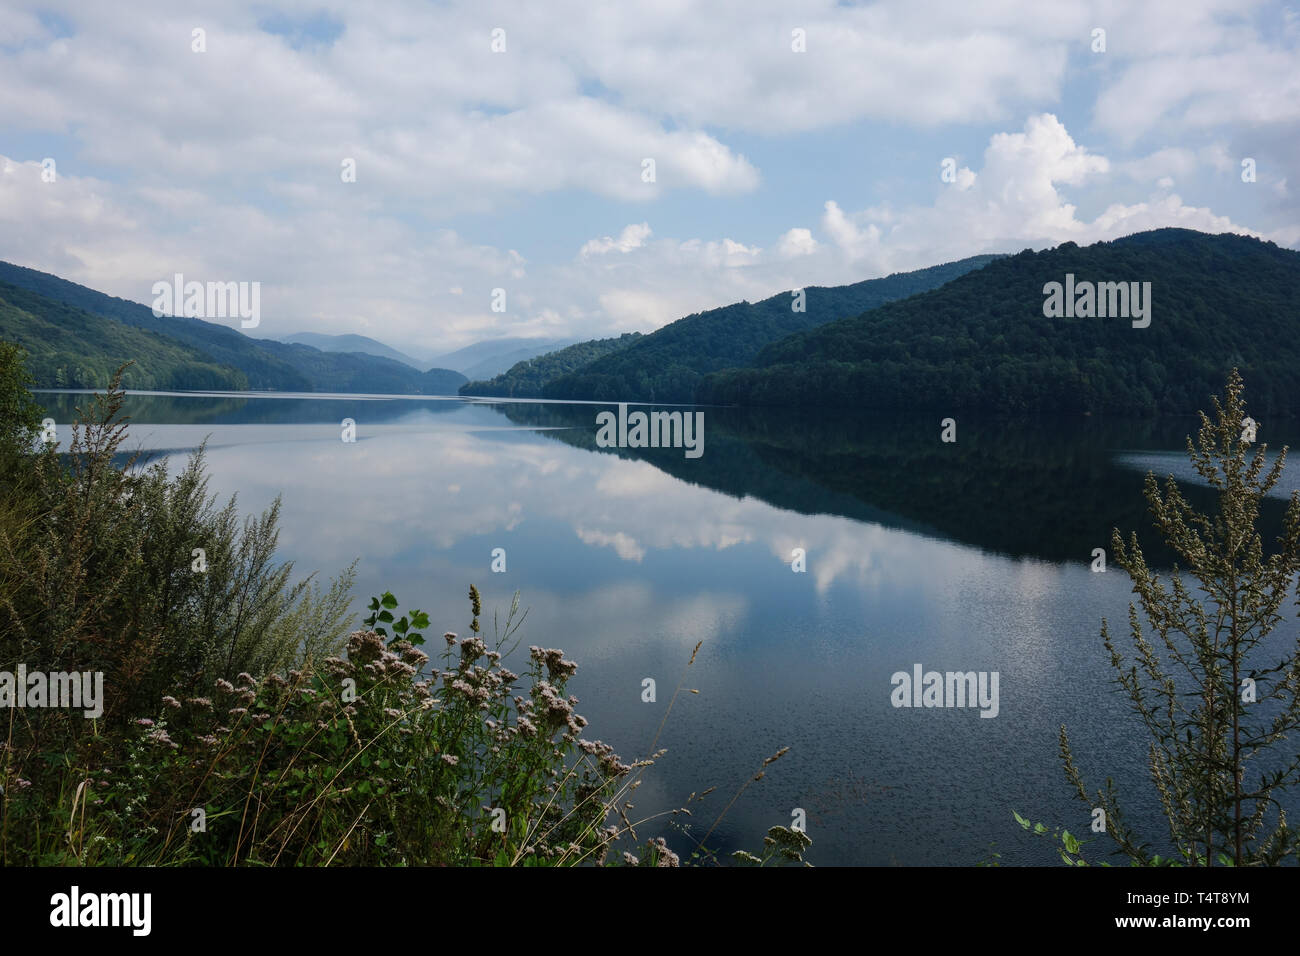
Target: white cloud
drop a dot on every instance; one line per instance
(1013, 201)
(632, 237)
(624, 545)
(795, 243)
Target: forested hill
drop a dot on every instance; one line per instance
(525, 379)
(68, 347)
(668, 364)
(983, 341)
(264, 364)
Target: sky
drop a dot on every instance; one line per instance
(385, 167)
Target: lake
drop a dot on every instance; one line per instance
(974, 555)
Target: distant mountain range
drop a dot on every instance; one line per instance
(479, 360)
(1147, 323)
(492, 357)
(355, 343)
(190, 353)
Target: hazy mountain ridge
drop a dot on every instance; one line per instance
(349, 342)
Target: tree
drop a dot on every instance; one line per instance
(1214, 712)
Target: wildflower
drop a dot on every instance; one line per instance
(471, 649)
(172, 703)
(450, 759)
(557, 668)
(144, 721)
(415, 656)
(224, 685)
(664, 856)
(159, 736)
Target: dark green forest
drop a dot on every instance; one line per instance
(983, 342)
(70, 348)
(668, 365)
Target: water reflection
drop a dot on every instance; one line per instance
(971, 556)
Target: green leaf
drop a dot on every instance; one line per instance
(419, 619)
(1039, 828)
(390, 602)
(402, 626)
(386, 617)
(1021, 820)
(1070, 842)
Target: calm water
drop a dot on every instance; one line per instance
(967, 556)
